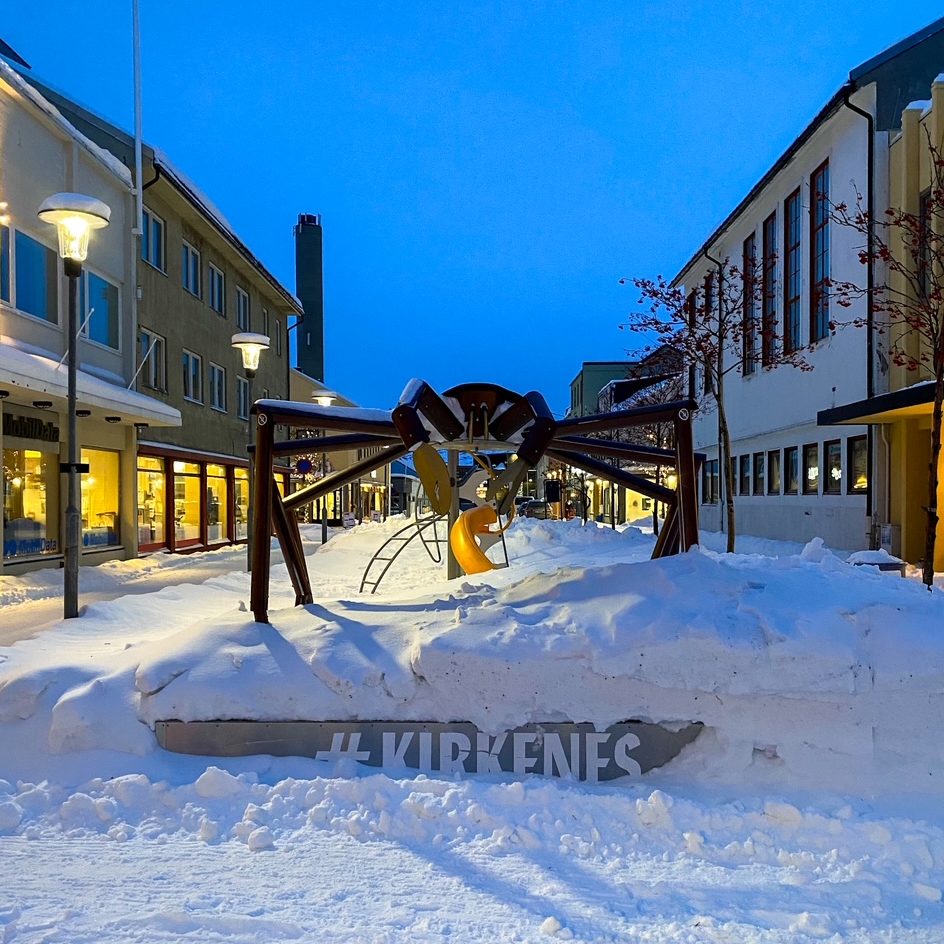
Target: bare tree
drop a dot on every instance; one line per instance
(726, 324)
(908, 303)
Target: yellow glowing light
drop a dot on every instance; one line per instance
(17, 482)
(74, 217)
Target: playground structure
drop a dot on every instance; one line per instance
(482, 419)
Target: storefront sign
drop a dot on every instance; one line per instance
(579, 751)
(28, 427)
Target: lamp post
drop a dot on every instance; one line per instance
(324, 398)
(74, 217)
(250, 345)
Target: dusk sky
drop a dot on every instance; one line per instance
(485, 172)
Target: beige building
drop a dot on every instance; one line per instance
(42, 154)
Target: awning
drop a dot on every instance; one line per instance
(38, 377)
(884, 408)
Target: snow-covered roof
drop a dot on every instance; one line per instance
(14, 79)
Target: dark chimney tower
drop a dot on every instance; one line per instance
(309, 287)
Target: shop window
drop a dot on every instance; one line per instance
(759, 487)
(791, 470)
(151, 352)
(709, 482)
(744, 475)
(832, 467)
(773, 472)
(187, 500)
(241, 503)
(152, 502)
(100, 499)
(858, 465)
(811, 469)
(30, 503)
(217, 504)
(4, 263)
(36, 278)
(101, 300)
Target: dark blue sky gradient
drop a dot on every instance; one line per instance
(485, 172)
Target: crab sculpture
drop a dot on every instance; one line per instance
(478, 418)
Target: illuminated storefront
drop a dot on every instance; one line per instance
(30, 498)
(100, 499)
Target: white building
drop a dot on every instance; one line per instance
(795, 479)
(43, 154)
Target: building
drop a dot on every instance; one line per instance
(798, 474)
(591, 378)
(43, 153)
(197, 283)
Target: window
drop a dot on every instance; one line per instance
(217, 291)
(748, 327)
(101, 300)
(265, 321)
(151, 348)
(217, 504)
(709, 482)
(36, 272)
(278, 337)
(190, 269)
(242, 398)
(768, 318)
(819, 252)
(811, 469)
(4, 263)
(217, 387)
(709, 300)
(152, 502)
(791, 470)
(30, 501)
(187, 491)
(242, 310)
(791, 272)
(152, 240)
(193, 377)
(241, 502)
(832, 467)
(744, 475)
(773, 472)
(857, 465)
(759, 488)
(100, 499)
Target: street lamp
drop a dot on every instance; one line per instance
(250, 345)
(74, 217)
(324, 398)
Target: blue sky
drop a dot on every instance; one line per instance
(485, 172)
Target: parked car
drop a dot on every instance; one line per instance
(534, 508)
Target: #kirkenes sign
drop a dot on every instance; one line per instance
(627, 749)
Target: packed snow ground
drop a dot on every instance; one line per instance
(808, 810)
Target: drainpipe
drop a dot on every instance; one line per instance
(870, 280)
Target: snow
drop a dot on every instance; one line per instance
(808, 810)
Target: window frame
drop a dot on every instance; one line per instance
(216, 289)
(53, 288)
(243, 318)
(791, 452)
(771, 488)
(748, 324)
(851, 444)
(792, 272)
(819, 253)
(84, 321)
(188, 269)
(744, 473)
(759, 482)
(242, 383)
(808, 450)
(829, 488)
(278, 337)
(146, 369)
(768, 290)
(217, 387)
(149, 217)
(188, 376)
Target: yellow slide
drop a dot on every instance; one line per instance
(474, 521)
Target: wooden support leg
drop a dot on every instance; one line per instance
(687, 492)
(263, 487)
(290, 540)
(661, 548)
